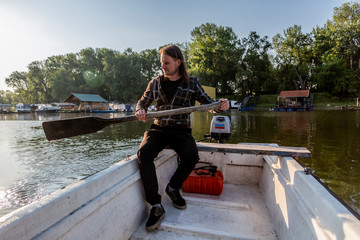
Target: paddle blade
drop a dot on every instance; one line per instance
(73, 127)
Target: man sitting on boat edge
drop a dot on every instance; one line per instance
(174, 89)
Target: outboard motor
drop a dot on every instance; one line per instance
(220, 129)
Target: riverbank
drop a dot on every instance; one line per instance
(317, 107)
(322, 101)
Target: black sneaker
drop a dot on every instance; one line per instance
(156, 215)
(175, 196)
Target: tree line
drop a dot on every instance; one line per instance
(324, 60)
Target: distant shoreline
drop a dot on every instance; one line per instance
(328, 108)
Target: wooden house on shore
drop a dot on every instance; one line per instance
(297, 100)
(87, 102)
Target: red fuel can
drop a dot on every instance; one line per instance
(205, 180)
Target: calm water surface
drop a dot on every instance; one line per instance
(31, 167)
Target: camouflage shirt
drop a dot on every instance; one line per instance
(185, 96)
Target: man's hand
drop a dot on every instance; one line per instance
(141, 115)
(224, 104)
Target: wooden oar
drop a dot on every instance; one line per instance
(71, 127)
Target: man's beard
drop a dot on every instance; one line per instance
(169, 74)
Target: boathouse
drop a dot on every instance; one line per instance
(85, 102)
(297, 100)
(5, 108)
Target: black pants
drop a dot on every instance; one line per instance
(154, 141)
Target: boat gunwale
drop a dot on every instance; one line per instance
(314, 200)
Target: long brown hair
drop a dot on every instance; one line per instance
(175, 52)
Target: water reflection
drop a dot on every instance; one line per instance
(31, 167)
(43, 167)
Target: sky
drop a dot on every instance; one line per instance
(35, 30)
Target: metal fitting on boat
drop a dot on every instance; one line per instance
(307, 171)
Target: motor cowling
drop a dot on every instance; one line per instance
(220, 128)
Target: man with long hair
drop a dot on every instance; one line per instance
(174, 89)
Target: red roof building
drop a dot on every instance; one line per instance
(297, 100)
(295, 93)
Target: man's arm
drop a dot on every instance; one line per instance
(203, 98)
(144, 102)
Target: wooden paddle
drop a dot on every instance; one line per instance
(71, 127)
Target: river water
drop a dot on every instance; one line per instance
(31, 167)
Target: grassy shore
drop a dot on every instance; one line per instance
(321, 101)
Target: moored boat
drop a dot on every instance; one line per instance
(103, 111)
(267, 195)
(47, 108)
(107, 110)
(23, 108)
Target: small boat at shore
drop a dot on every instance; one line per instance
(107, 110)
(47, 109)
(267, 194)
(103, 111)
(23, 108)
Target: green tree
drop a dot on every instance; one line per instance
(90, 75)
(334, 77)
(6, 96)
(346, 21)
(214, 54)
(337, 50)
(125, 70)
(20, 83)
(150, 63)
(17, 80)
(323, 43)
(295, 48)
(62, 84)
(255, 73)
(39, 83)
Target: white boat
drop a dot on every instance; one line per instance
(23, 108)
(267, 195)
(234, 104)
(103, 111)
(47, 108)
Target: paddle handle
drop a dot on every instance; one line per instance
(206, 107)
(165, 113)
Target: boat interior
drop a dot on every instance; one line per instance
(266, 195)
(237, 213)
(262, 198)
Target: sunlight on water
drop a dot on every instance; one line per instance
(19, 194)
(32, 167)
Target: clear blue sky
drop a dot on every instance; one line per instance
(34, 30)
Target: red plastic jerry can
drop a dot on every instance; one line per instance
(205, 180)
